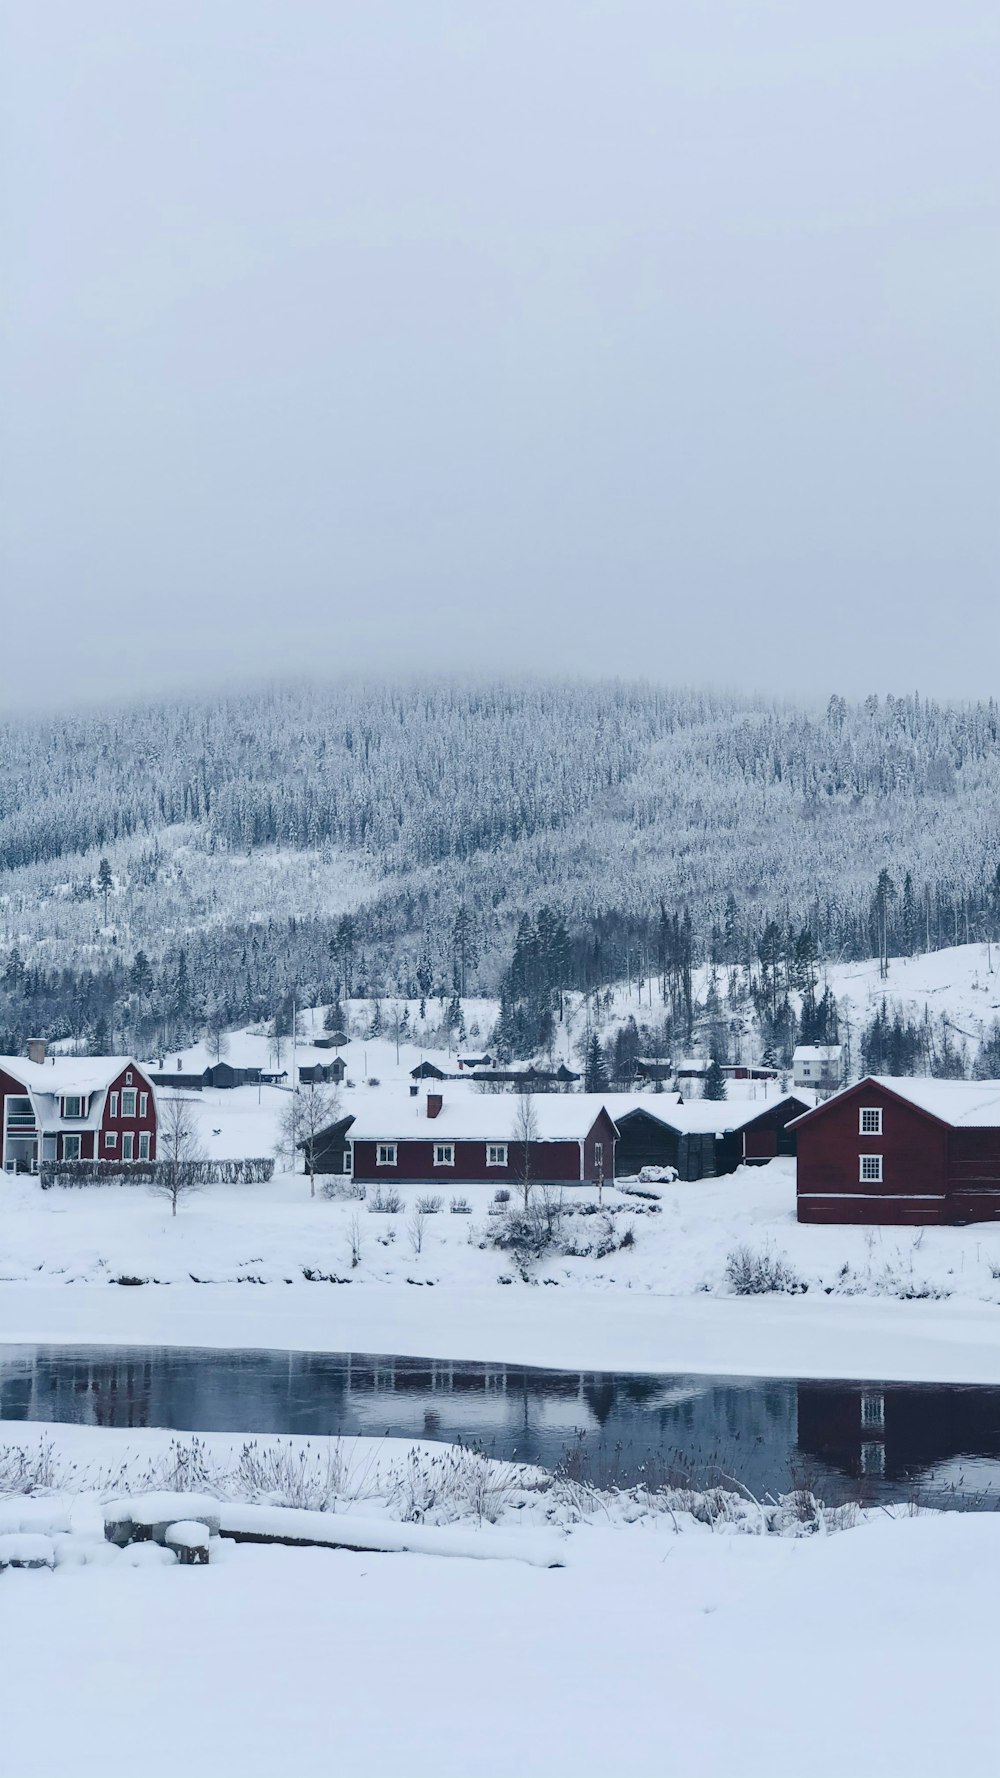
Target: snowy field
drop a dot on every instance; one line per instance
(660, 1645)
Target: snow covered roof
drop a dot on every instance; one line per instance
(472, 1116)
(962, 1104)
(696, 1116)
(816, 1052)
(67, 1074)
(969, 1104)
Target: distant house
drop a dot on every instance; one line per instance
(474, 1061)
(223, 1074)
(470, 1139)
(819, 1066)
(314, 1074)
(901, 1151)
(428, 1071)
(701, 1138)
(69, 1108)
(530, 1079)
(691, 1068)
(654, 1068)
(744, 1071)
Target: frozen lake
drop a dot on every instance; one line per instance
(937, 1442)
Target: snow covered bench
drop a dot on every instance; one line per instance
(189, 1540)
(141, 1518)
(26, 1549)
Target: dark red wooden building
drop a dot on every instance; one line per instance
(74, 1108)
(902, 1151)
(444, 1139)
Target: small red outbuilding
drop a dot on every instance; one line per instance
(901, 1150)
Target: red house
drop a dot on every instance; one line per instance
(469, 1138)
(74, 1108)
(901, 1151)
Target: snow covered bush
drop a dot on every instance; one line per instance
(752, 1273)
(385, 1201)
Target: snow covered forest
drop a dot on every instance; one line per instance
(183, 862)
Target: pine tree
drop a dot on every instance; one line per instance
(105, 883)
(595, 1078)
(714, 1085)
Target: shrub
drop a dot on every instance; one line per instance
(461, 1207)
(749, 1273)
(429, 1206)
(385, 1201)
(252, 1170)
(501, 1195)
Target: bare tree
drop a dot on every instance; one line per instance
(305, 1117)
(216, 1037)
(525, 1135)
(178, 1149)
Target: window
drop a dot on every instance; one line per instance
(872, 1457)
(496, 1154)
(128, 1078)
(111, 1138)
(599, 1154)
(20, 1114)
(870, 1120)
(113, 1105)
(386, 1155)
(144, 1145)
(128, 1102)
(72, 1105)
(127, 1141)
(71, 1148)
(347, 1160)
(871, 1169)
(807, 1067)
(444, 1154)
(872, 1408)
(143, 1104)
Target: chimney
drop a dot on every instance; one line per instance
(434, 1104)
(37, 1047)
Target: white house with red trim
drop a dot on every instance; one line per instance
(74, 1108)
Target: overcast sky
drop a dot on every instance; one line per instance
(654, 336)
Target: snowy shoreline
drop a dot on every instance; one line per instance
(853, 1338)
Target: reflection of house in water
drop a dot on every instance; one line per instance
(897, 1430)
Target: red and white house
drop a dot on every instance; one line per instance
(901, 1150)
(470, 1138)
(74, 1108)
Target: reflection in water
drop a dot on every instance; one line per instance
(884, 1441)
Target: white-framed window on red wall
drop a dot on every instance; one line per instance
(870, 1170)
(128, 1102)
(111, 1138)
(143, 1104)
(113, 1105)
(71, 1148)
(444, 1154)
(870, 1120)
(144, 1145)
(128, 1141)
(385, 1154)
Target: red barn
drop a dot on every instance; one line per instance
(902, 1151)
(74, 1108)
(469, 1138)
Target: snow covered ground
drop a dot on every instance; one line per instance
(662, 1304)
(660, 1645)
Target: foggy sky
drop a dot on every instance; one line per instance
(653, 337)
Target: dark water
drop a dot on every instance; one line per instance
(937, 1443)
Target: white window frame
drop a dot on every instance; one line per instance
(872, 1408)
(143, 1104)
(870, 1169)
(111, 1138)
(128, 1078)
(874, 1125)
(872, 1457)
(73, 1099)
(144, 1145)
(128, 1146)
(599, 1155)
(385, 1154)
(128, 1099)
(496, 1154)
(113, 1105)
(444, 1154)
(347, 1161)
(71, 1137)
